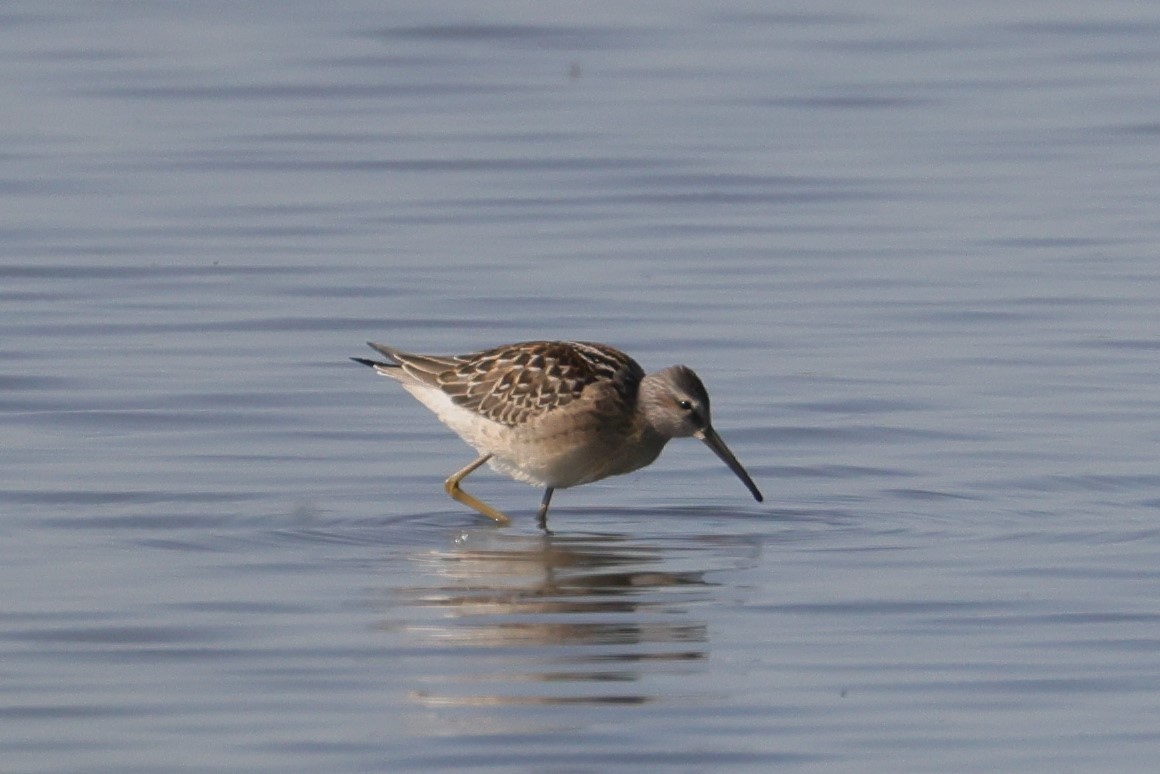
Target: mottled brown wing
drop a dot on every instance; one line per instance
(513, 383)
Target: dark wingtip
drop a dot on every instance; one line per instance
(365, 362)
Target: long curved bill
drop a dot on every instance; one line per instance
(713, 441)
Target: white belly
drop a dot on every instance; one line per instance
(557, 450)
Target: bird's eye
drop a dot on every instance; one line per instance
(685, 405)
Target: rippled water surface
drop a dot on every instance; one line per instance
(910, 248)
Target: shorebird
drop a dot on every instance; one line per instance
(556, 414)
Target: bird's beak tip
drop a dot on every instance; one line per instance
(714, 442)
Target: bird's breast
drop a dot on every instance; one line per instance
(562, 454)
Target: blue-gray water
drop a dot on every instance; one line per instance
(911, 248)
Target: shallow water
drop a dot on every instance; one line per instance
(910, 250)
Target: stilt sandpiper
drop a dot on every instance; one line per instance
(557, 413)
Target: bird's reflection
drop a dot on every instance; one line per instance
(509, 619)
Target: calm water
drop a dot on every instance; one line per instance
(912, 250)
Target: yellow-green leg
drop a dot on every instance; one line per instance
(452, 487)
